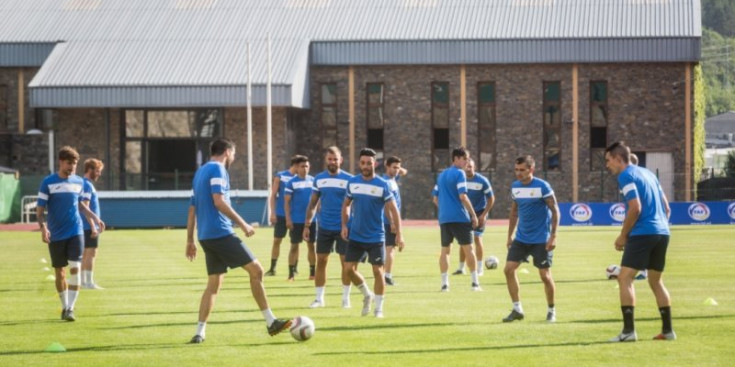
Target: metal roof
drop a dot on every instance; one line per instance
(181, 46)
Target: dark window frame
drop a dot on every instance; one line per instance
(322, 112)
(493, 121)
(546, 104)
(437, 166)
(371, 131)
(4, 95)
(596, 149)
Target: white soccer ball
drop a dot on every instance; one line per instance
(612, 271)
(302, 328)
(492, 262)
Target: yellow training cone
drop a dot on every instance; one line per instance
(710, 302)
(44, 261)
(46, 268)
(55, 347)
(523, 271)
(50, 278)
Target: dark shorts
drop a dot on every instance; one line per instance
(356, 252)
(646, 252)
(480, 225)
(461, 231)
(90, 242)
(326, 240)
(390, 238)
(66, 250)
(279, 230)
(297, 233)
(225, 252)
(520, 251)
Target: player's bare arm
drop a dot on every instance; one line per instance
(41, 216)
(468, 206)
(554, 207)
(392, 210)
(512, 222)
(631, 216)
(310, 210)
(490, 204)
(191, 249)
(345, 217)
(92, 226)
(287, 210)
(273, 197)
(226, 209)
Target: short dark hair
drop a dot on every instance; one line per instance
(459, 152)
(67, 153)
(298, 158)
(367, 152)
(527, 159)
(392, 159)
(219, 146)
(334, 150)
(619, 149)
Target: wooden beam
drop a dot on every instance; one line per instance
(463, 106)
(21, 102)
(687, 133)
(351, 104)
(575, 133)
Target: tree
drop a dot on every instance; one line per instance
(730, 166)
(719, 15)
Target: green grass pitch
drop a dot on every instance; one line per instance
(149, 310)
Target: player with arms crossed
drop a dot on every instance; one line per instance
(644, 239)
(535, 211)
(210, 212)
(60, 193)
(368, 197)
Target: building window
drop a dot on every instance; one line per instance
(440, 125)
(552, 125)
(375, 117)
(329, 114)
(486, 126)
(3, 107)
(598, 124)
(163, 149)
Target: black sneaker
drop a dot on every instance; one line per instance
(445, 288)
(70, 316)
(270, 273)
(63, 314)
(389, 281)
(514, 315)
(278, 325)
(197, 339)
(459, 272)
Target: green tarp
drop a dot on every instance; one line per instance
(9, 198)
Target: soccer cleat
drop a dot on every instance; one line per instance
(278, 325)
(551, 317)
(316, 304)
(476, 287)
(196, 339)
(366, 302)
(459, 272)
(445, 288)
(625, 337)
(91, 286)
(389, 281)
(290, 279)
(70, 316)
(346, 303)
(641, 276)
(665, 336)
(63, 314)
(270, 273)
(379, 314)
(480, 272)
(514, 315)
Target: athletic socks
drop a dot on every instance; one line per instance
(269, 316)
(320, 294)
(518, 307)
(379, 303)
(665, 319)
(628, 323)
(364, 289)
(72, 298)
(389, 275)
(64, 298)
(85, 277)
(473, 275)
(312, 270)
(461, 266)
(273, 264)
(445, 279)
(291, 270)
(346, 292)
(201, 326)
(479, 266)
(552, 309)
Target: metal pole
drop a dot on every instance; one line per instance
(250, 124)
(269, 126)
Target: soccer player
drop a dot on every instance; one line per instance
(480, 193)
(457, 219)
(295, 201)
(60, 193)
(278, 215)
(329, 192)
(643, 239)
(368, 197)
(393, 173)
(535, 211)
(643, 274)
(92, 172)
(210, 212)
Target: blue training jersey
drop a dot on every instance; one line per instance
(368, 208)
(331, 190)
(90, 194)
(638, 182)
(395, 190)
(534, 216)
(211, 178)
(450, 184)
(283, 177)
(61, 196)
(478, 191)
(299, 189)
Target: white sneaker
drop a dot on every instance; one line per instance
(316, 304)
(379, 314)
(476, 287)
(623, 337)
(480, 272)
(445, 288)
(550, 317)
(346, 303)
(366, 302)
